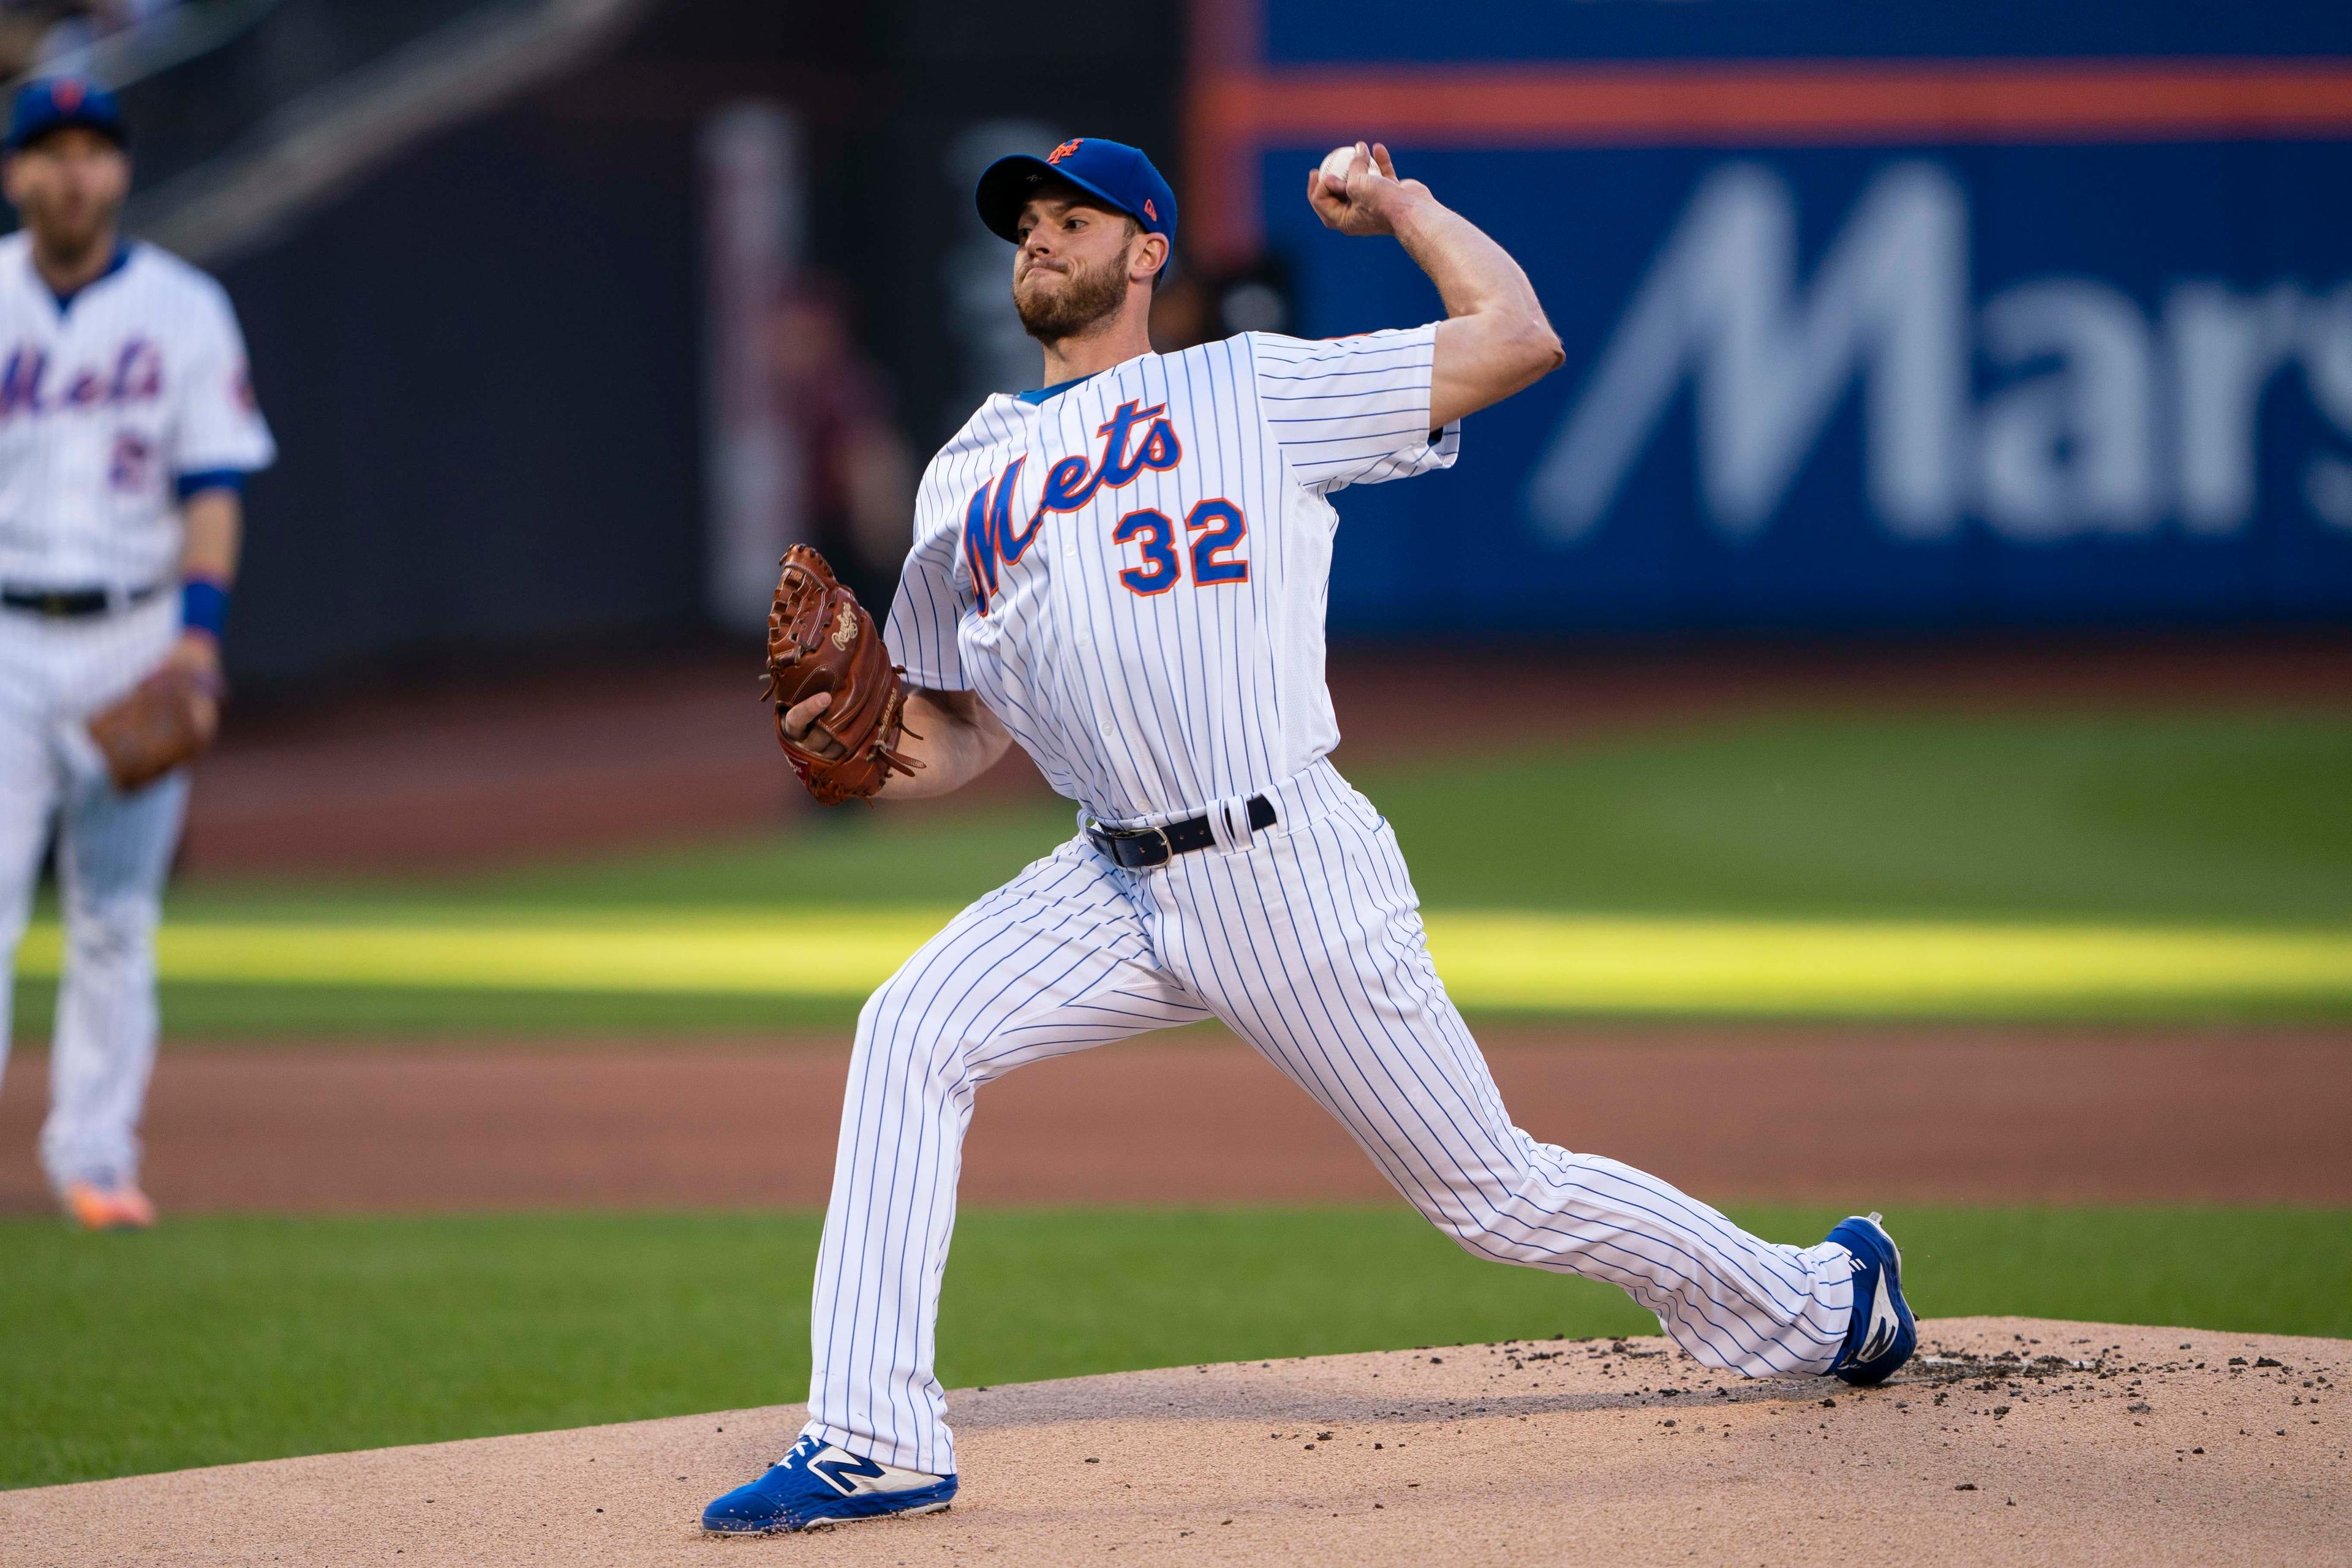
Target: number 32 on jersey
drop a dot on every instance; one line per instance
(1215, 530)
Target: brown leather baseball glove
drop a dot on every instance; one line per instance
(819, 639)
(166, 720)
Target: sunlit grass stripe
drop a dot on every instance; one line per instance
(838, 953)
(1575, 963)
(1503, 960)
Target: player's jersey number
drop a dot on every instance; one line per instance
(1216, 528)
(1159, 570)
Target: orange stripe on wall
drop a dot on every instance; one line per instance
(2011, 101)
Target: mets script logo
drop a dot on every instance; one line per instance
(989, 539)
(1064, 150)
(135, 376)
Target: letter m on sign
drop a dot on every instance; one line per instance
(1721, 306)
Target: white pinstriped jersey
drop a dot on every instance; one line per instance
(1132, 571)
(109, 404)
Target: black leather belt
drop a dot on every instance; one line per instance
(72, 603)
(1140, 849)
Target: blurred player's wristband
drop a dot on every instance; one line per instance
(204, 606)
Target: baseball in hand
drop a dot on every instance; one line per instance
(1336, 164)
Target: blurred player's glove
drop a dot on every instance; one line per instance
(166, 720)
(819, 639)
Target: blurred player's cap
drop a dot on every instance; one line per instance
(1111, 172)
(63, 103)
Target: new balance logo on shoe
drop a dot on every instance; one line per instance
(843, 1471)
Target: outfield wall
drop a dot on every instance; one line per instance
(1947, 317)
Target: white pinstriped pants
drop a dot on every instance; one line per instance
(114, 851)
(1308, 942)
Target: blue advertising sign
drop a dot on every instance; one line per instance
(1938, 343)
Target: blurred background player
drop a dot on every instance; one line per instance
(857, 478)
(127, 427)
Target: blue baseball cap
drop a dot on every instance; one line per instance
(1117, 175)
(63, 103)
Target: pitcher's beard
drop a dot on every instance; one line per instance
(1086, 297)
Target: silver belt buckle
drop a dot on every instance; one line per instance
(1139, 834)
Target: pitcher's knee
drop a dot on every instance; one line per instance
(896, 1032)
(1498, 1240)
(1487, 1220)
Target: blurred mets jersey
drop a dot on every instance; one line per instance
(113, 405)
(1131, 570)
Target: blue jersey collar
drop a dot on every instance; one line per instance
(120, 259)
(1056, 390)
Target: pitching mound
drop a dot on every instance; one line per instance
(2009, 1440)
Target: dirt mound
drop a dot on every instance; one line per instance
(2011, 1440)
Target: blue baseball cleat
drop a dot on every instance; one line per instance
(817, 1483)
(1883, 1333)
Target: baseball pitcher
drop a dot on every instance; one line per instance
(126, 427)
(1125, 573)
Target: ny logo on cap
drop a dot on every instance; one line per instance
(1150, 210)
(67, 94)
(1064, 150)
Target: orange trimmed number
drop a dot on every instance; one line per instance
(1220, 529)
(1227, 530)
(1160, 568)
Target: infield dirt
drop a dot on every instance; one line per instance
(2009, 1440)
(1956, 1115)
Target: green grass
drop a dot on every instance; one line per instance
(2230, 820)
(206, 1013)
(214, 1339)
(2223, 817)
